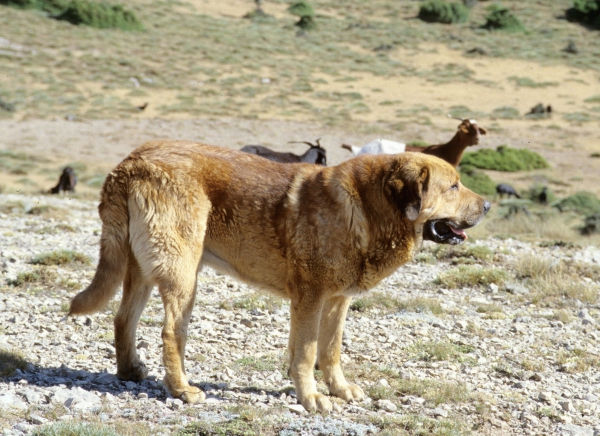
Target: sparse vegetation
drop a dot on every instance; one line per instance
(505, 158)
(472, 275)
(440, 11)
(390, 304)
(10, 361)
(60, 257)
(434, 351)
(305, 11)
(463, 253)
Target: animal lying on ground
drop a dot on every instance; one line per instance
(452, 151)
(503, 189)
(377, 146)
(315, 154)
(315, 235)
(66, 182)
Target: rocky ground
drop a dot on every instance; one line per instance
(433, 360)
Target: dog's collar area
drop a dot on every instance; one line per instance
(441, 232)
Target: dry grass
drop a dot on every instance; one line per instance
(61, 257)
(472, 275)
(553, 282)
(434, 351)
(389, 304)
(10, 361)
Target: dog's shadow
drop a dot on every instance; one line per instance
(105, 382)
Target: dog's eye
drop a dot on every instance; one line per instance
(455, 186)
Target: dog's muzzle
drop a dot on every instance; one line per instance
(441, 232)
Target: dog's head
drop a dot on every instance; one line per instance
(427, 190)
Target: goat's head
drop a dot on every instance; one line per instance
(316, 154)
(469, 131)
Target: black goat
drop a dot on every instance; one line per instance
(66, 182)
(315, 154)
(504, 189)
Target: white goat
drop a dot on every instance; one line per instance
(377, 146)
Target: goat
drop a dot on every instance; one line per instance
(452, 151)
(504, 189)
(66, 182)
(315, 154)
(377, 146)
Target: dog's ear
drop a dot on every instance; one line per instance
(408, 187)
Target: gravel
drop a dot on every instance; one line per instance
(237, 342)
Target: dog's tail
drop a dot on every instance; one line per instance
(114, 249)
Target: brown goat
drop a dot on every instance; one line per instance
(452, 151)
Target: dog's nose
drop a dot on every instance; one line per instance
(486, 207)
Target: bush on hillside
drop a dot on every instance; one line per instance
(305, 11)
(581, 202)
(439, 11)
(586, 12)
(500, 18)
(50, 6)
(505, 159)
(100, 15)
(477, 181)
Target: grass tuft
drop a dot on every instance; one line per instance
(472, 275)
(586, 12)
(434, 351)
(581, 202)
(10, 361)
(60, 257)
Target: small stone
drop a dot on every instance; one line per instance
(143, 345)
(247, 322)
(37, 419)
(461, 324)
(382, 383)
(536, 376)
(439, 412)
(567, 406)
(493, 288)
(296, 408)
(143, 396)
(545, 396)
(387, 405)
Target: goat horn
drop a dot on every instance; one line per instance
(455, 118)
(310, 144)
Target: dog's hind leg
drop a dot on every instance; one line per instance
(136, 292)
(178, 298)
(331, 329)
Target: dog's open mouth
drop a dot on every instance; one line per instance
(443, 233)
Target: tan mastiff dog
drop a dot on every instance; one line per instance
(314, 235)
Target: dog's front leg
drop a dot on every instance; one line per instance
(331, 328)
(304, 332)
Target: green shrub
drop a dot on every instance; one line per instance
(477, 181)
(51, 6)
(505, 159)
(586, 12)
(581, 202)
(305, 11)
(439, 11)
(500, 18)
(100, 15)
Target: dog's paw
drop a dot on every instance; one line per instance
(317, 403)
(348, 392)
(192, 395)
(135, 373)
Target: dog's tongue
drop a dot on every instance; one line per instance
(459, 232)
